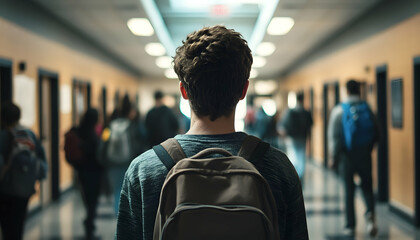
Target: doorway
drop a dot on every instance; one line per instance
(416, 80)
(311, 110)
(116, 99)
(48, 131)
(331, 97)
(104, 107)
(382, 116)
(5, 80)
(81, 99)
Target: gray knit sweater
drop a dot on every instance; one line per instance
(144, 178)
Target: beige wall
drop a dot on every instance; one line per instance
(396, 47)
(18, 44)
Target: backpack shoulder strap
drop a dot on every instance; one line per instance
(253, 149)
(169, 152)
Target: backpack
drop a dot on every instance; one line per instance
(211, 197)
(23, 167)
(73, 148)
(358, 126)
(118, 147)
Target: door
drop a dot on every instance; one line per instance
(417, 138)
(104, 107)
(116, 99)
(331, 97)
(311, 109)
(81, 99)
(48, 131)
(5, 81)
(382, 116)
(325, 117)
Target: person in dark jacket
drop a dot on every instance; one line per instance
(90, 173)
(161, 122)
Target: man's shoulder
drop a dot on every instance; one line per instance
(146, 166)
(277, 162)
(337, 110)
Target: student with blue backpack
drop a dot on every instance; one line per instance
(212, 182)
(352, 133)
(22, 163)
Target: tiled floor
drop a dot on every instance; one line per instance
(323, 199)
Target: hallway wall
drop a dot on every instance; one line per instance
(38, 51)
(396, 47)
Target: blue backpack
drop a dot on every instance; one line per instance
(358, 126)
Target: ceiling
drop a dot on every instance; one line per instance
(105, 22)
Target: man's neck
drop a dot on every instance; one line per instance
(204, 126)
(158, 103)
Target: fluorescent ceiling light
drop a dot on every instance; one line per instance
(155, 49)
(170, 73)
(259, 62)
(164, 62)
(265, 49)
(253, 73)
(194, 4)
(265, 87)
(280, 25)
(140, 27)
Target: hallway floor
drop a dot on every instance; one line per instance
(324, 208)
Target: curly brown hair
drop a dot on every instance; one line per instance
(213, 65)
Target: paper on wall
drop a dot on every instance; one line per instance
(65, 99)
(24, 96)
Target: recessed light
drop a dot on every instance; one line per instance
(265, 87)
(164, 62)
(265, 49)
(259, 62)
(280, 25)
(155, 49)
(140, 27)
(170, 73)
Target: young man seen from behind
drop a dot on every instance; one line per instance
(213, 66)
(352, 133)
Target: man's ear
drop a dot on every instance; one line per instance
(182, 90)
(244, 90)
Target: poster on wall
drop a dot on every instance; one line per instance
(65, 99)
(397, 103)
(24, 97)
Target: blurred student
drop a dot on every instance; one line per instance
(297, 123)
(352, 133)
(271, 134)
(161, 122)
(213, 66)
(22, 163)
(88, 169)
(118, 146)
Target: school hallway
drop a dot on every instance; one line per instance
(323, 195)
